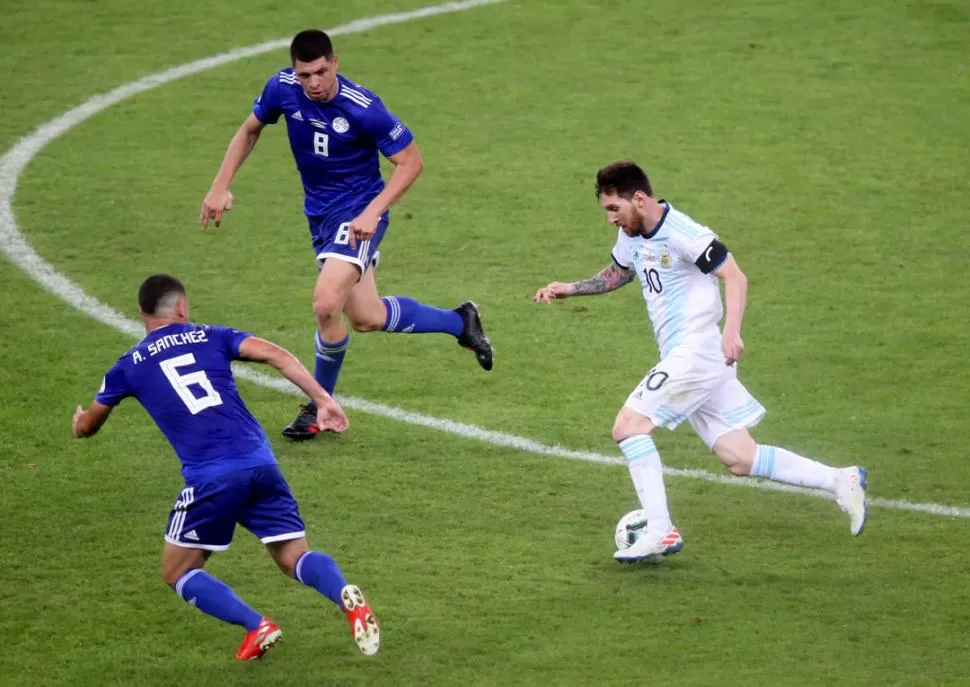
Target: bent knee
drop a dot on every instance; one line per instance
(325, 308)
(736, 451)
(286, 567)
(367, 324)
(738, 467)
(737, 463)
(287, 554)
(287, 558)
(630, 423)
(620, 432)
(171, 574)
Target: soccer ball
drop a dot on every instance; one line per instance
(629, 529)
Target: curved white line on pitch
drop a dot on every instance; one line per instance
(20, 252)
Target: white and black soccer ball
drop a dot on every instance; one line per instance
(629, 529)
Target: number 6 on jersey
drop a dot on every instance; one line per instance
(181, 384)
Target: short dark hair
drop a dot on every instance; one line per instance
(622, 178)
(155, 290)
(310, 45)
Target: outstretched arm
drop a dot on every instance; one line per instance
(219, 199)
(609, 279)
(330, 416)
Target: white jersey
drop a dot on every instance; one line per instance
(683, 303)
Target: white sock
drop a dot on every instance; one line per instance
(781, 465)
(648, 480)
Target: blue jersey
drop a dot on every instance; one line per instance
(336, 144)
(181, 374)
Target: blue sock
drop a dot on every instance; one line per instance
(216, 598)
(330, 356)
(320, 571)
(408, 316)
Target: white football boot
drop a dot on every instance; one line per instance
(850, 494)
(651, 547)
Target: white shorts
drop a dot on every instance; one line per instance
(694, 384)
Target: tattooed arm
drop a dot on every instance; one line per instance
(609, 279)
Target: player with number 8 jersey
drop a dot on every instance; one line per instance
(338, 130)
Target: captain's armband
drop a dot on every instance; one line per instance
(712, 257)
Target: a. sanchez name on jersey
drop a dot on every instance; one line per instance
(181, 373)
(675, 263)
(335, 143)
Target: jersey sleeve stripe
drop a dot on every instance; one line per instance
(356, 97)
(355, 92)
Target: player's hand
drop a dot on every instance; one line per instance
(216, 203)
(732, 346)
(77, 416)
(552, 291)
(363, 227)
(331, 417)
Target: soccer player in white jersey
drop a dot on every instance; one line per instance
(679, 263)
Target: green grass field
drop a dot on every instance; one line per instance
(825, 141)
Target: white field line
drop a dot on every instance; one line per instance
(20, 252)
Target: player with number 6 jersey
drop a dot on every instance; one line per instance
(178, 371)
(181, 374)
(338, 130)
(680, 263)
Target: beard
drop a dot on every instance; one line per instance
(635, 228)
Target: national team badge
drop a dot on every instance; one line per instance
(665, 260)
(341, 125)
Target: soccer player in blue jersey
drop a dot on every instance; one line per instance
(180, 373)
(338, 130)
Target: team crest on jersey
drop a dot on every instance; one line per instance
(665, 259)
(341, 125)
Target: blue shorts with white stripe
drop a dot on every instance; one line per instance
(258, 498)
(331, 239)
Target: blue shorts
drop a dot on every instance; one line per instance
(206, 512)
(331, 239)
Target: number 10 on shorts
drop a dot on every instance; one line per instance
(652, 382)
